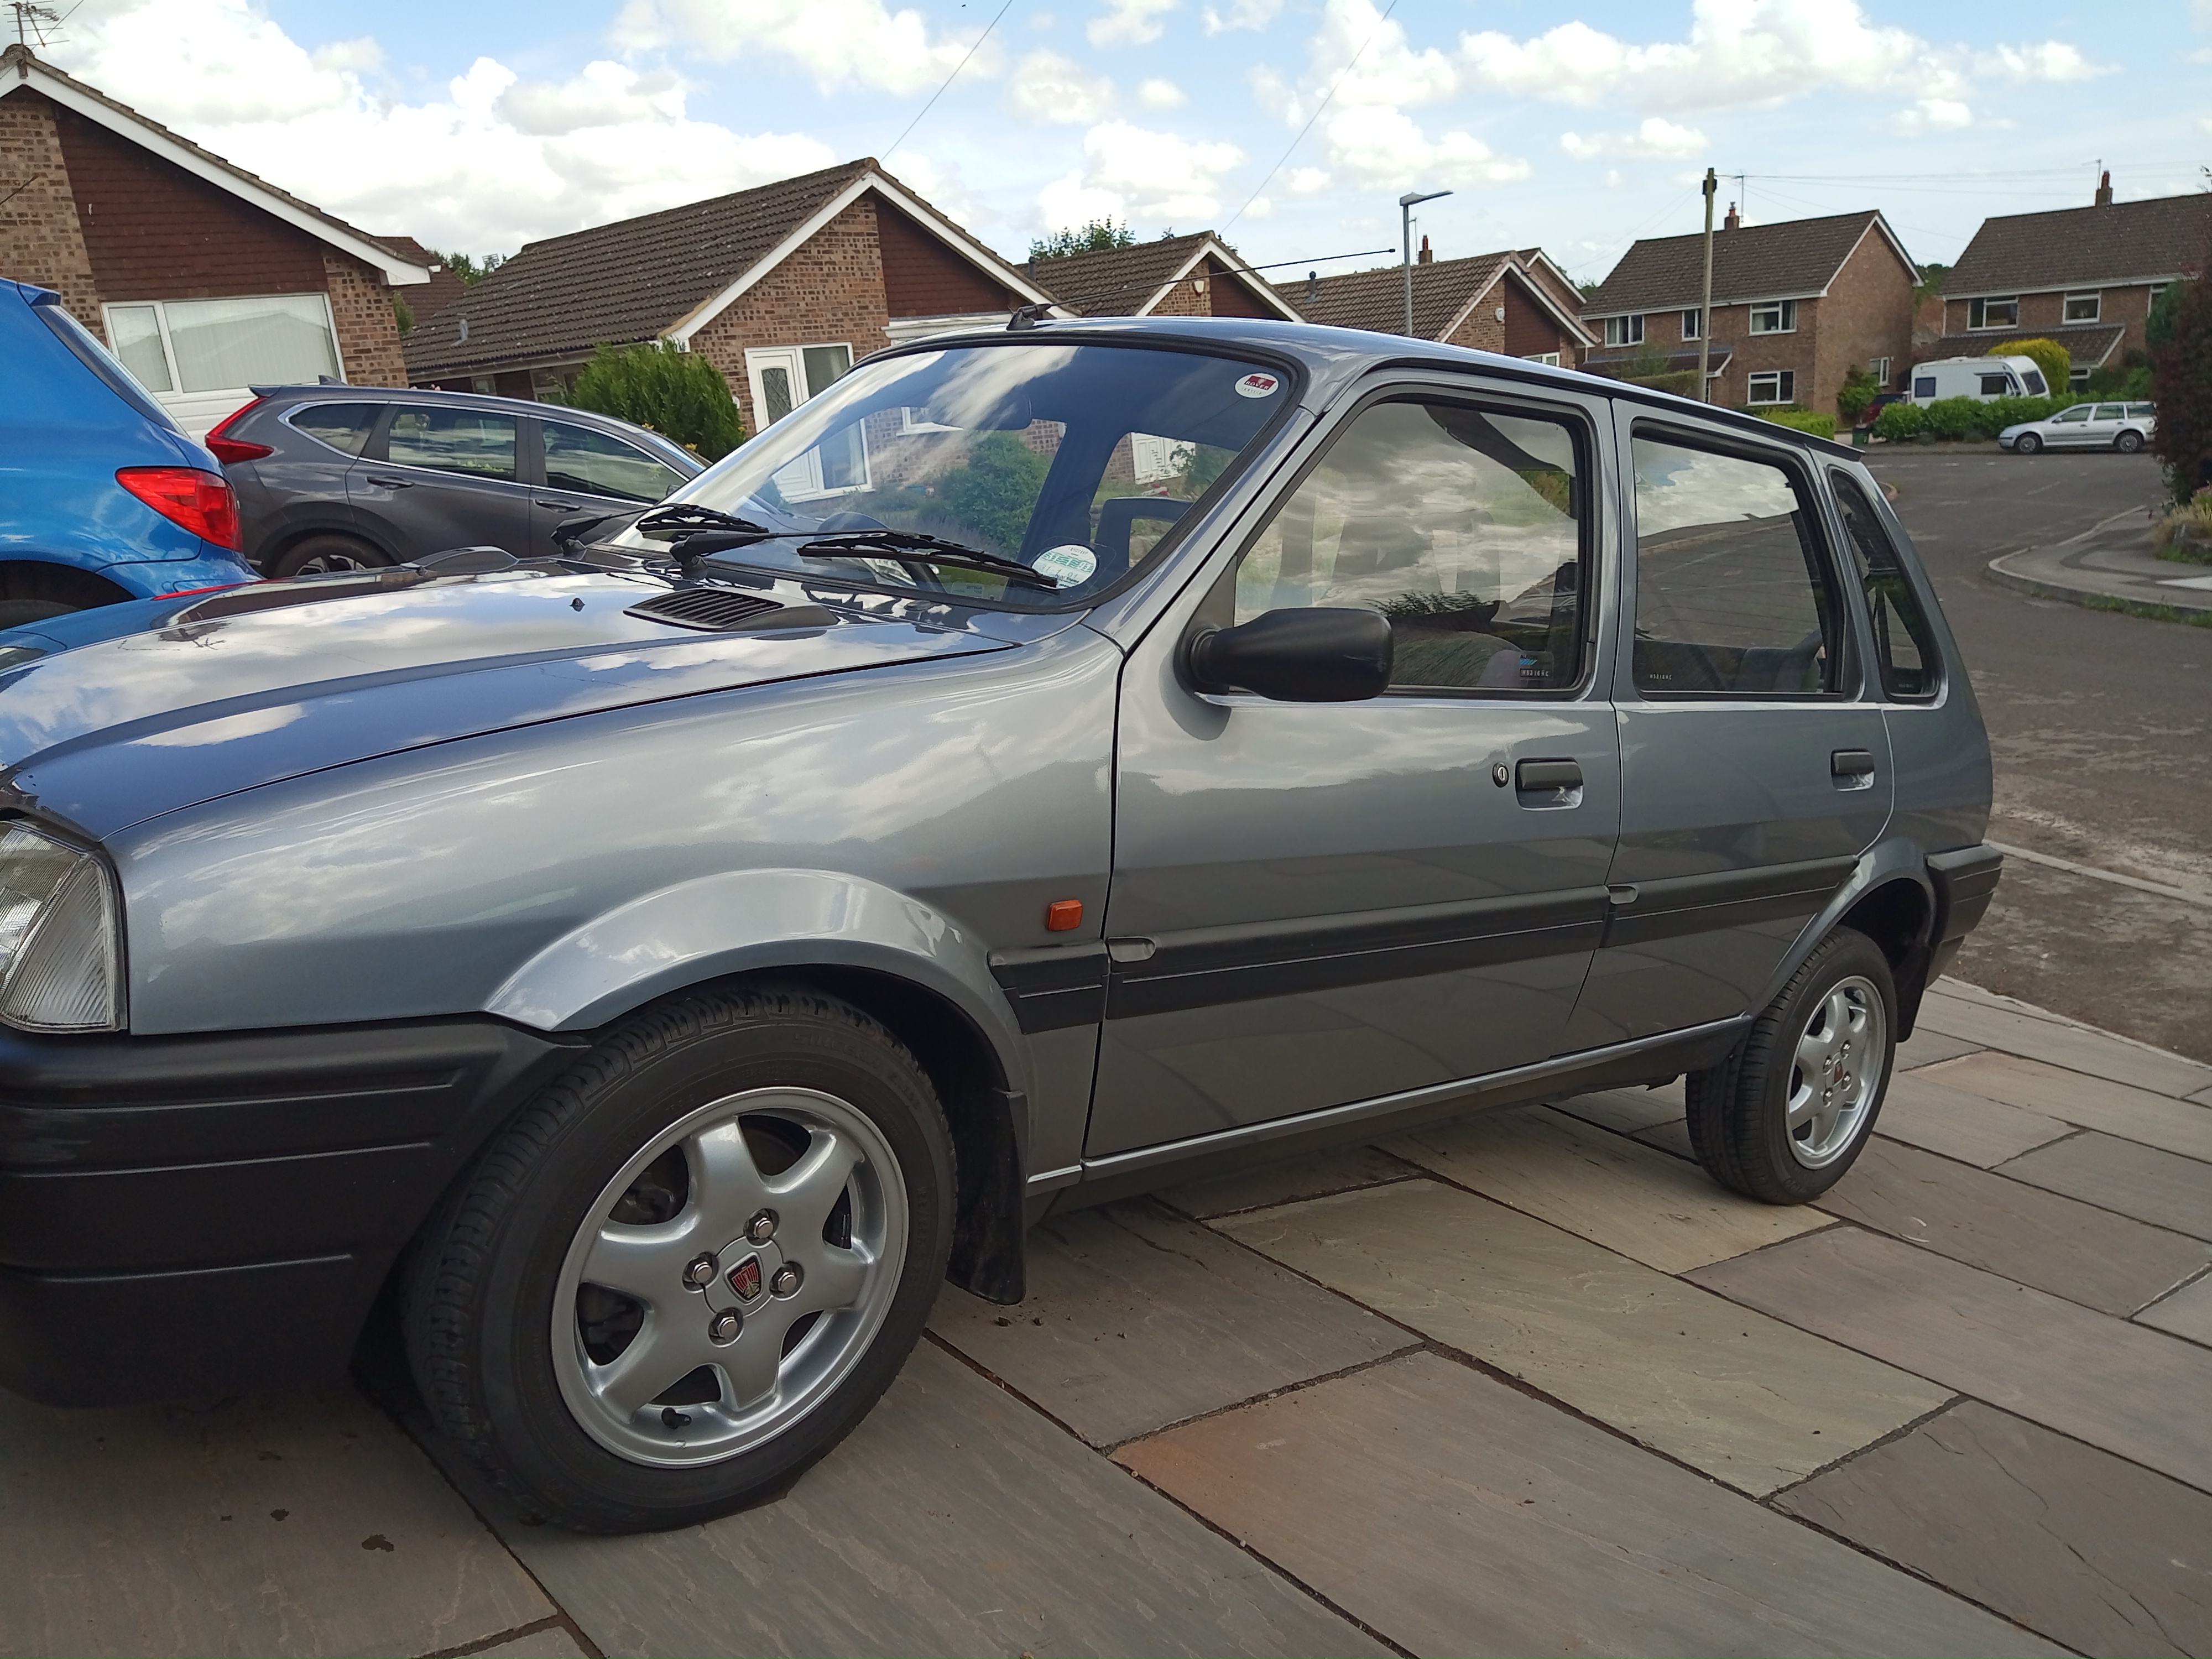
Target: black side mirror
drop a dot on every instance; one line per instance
(1316, 655)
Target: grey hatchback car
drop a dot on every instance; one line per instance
(1048, 763)
(341, 477)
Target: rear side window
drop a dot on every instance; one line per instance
(1904, 645)
(577, 458)
(85, 346)
(344, 427)
(1733, 594)
(2138, 410)
(464, 440)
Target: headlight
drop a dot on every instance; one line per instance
(60, 946)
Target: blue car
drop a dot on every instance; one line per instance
(102, 498)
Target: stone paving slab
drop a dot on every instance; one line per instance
(304, 1523)
(2103, 1380)
(1626, 1110)
(2093, 1552)
(553, 1643)
(2117, 1174)
(2057, 1042)
(1925, 1048)
(1671, 1137)
(1746, 1399)
(1615, 1192)
(2187, 1313)
(1312, 1176)
(1456, 1516)
(2058, 1245)
(2117, 1109)
(954, 1521)
(1136, 1319)
(1972, 1128)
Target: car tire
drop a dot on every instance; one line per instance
(2026, 444)
(313, 555)
(1787, 1112)
(657, 1161)
(19, 613)
(2128, 443)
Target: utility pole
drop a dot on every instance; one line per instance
(1406, 204)
(1706, 296)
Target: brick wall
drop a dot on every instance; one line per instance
(1181, 301)
(922, 277)
(2039, 314)
(1480, 330)
(40, 239)
(1868, 313)
(831, 289)
(1529, 330)
(1228, 296)
(368, 332)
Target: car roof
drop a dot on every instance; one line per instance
(338, 391)
(1335, 358)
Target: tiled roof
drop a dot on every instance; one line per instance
(443, 289)
(1752, 261)
(2088, 345)
(2085, 247)
(619, 283)
(1375, 299)
(18, 64)
(1114, 281)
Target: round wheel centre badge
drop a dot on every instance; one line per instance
(746, 1278)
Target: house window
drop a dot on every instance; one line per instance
(1774, 317)
(1693, 324)
(1549, 358)
(2079, 375)
(1774, 385)
(179, 347)
(1993, 313)
(2083, 307)
(1624, 331)
(1879, 368)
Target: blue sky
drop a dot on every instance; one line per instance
(1575, 127)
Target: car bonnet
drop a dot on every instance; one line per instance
(112, 733)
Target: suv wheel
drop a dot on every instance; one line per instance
(1784, 1115)
(690, 1266)
(2026, 444)
(2128, 443)
(313, 555)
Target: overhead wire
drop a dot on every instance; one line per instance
(949, 80)
(1341, 78)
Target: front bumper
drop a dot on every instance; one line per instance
(195, 1215)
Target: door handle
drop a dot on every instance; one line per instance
(566, 507)
(1851, 764)
(1538, 774)
(389, 483)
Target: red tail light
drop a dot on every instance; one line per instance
(200, 501)
(228, 450)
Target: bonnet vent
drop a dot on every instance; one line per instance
(713, 610)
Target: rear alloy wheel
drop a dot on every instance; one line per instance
(2026, 444)
(691, 1266)
(314, 555)
(2128, 443)
(1784, 1115)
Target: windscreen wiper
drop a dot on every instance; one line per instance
(914, 547)
(680, 518)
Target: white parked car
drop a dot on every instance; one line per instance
(1979, 378)
(2125, 427)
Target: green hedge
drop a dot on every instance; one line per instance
(1801, 420)
(1964, 418)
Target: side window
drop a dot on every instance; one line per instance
(461, 440)
(1463, 526)
(577, 458)
(1904, 645)
(344, 427)
(1732, 595)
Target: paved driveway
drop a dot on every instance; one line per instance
(1528, 1383)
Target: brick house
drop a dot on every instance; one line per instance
(1516, 303)
(203, 278)
(1796, 306)
(1193, 275)
(782, 287)
(2086, 277)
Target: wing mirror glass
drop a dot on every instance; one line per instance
(1322, 655)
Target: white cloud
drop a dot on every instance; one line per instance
(1048, 87)
(1389, 73)
(1385, 149)
(1260, 207)
(362, 54)
(1241, 15)
(1158, 93)
(1129, 22)
(494, 162)
(1132, 173)
(1657, 138)
(2051, 60)
(1935, 115)
(1308, 181)
(838, 42)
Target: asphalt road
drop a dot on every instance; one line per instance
(2101, 726)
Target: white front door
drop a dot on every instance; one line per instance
(783, 377)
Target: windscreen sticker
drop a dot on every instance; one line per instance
(1070, 564)
(1258, 386)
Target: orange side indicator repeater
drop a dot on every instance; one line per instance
(1062, 915)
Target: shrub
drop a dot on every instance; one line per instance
(1096, 236)
(678, 394)
(2181, 360)
(1801, 420)
(2052, 358)
(996, 492)
(1858, 391)
(2186, 532)
(1900, 421)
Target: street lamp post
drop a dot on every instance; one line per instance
(1705, 295)
(1406, 204)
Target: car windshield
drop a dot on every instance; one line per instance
(1073, 461)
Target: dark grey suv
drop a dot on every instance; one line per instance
(1046, 765)
(340, 477)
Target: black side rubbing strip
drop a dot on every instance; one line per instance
(1676, 905)
(1055, 987)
